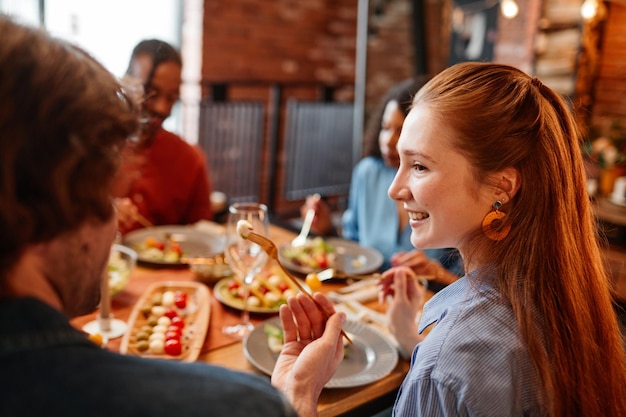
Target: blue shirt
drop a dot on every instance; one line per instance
(372, 217)
(473, 362)
(51, 369)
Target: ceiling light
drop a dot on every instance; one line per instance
(509, 8)
(589, 9)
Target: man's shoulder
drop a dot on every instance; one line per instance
(148, 387)
(170, 144)
(170, 138)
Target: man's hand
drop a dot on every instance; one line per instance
(312, 351)
(126, 212)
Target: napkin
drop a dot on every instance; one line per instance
(349, 300)
(361, 291)
(355, 311)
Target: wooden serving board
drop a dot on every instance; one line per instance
(196, 319)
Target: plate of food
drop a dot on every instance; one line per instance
(169, 245)
(370, 357)
(318, 254)
(268, 291)
(170, 321)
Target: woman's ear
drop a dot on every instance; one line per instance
(508, 184)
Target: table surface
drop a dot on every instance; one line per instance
(223, 351)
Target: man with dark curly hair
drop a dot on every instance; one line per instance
(64, 122)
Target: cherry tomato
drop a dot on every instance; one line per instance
(232, 285)
(180, 299)
(173, 347)
(175, 247)
(178, 321)
(173, 335)
(171, 313)
(283, 286)
(322, 261)
(174, 329)
(154, 243)
(313, 281)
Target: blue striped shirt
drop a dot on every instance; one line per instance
(473, 362)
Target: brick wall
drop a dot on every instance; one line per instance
(280, 41)
(516, 37)
(309, 45)
(609, 92)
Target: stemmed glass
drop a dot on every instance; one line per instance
(245, 258)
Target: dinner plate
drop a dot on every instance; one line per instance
(194, 243)
(371, 356)
(357, 259)
(195, 315)
(220, 291)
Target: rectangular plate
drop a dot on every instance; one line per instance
(196, 316)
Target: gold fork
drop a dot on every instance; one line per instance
(270, 248)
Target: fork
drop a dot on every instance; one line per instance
(300, 240)
(270, 248)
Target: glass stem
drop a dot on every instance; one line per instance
(245, 313)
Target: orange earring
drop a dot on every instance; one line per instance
(493, 223)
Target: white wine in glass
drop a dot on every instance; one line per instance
(244, 257)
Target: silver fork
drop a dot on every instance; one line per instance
(300, 240)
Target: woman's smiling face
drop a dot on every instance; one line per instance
(436, 184)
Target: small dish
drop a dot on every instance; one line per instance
(210, 270)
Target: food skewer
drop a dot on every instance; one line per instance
(244, 229)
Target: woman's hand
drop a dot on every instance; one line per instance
(423, 265)
(322, 222)
(407, 294)
(312, 351)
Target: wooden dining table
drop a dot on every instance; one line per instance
(222, 350)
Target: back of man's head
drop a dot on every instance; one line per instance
(63, 121)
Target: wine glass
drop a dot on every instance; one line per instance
(246, 258)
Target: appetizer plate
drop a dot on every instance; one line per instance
(221, 292)
(357, 259)
(195, 315)
(194, 243)
(371, 356)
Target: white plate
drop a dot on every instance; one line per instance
(194, 242)
(371, 356)
(357, 259)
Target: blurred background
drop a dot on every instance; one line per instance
(277, 92)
